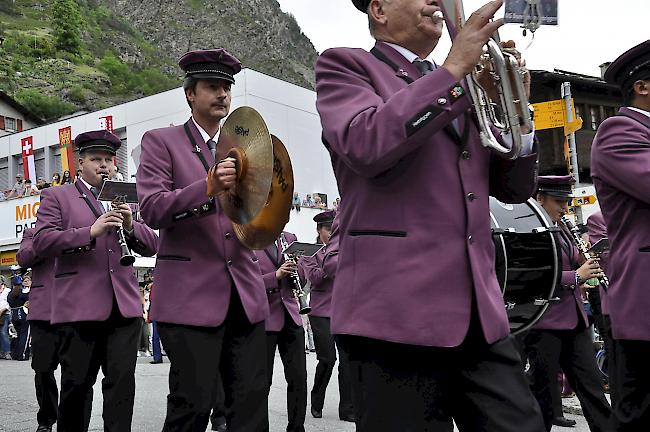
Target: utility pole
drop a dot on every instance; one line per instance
(573, 154)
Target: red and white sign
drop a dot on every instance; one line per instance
(106, 123)
(29, 166)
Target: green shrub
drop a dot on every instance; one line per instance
(46, 107)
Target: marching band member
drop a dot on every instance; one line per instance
(284, 330)
(95, 300)
(562, 338)
(45, 336)
(620, 167)
(416, 303)
(18, 299)
(320, 300)
(210, 301)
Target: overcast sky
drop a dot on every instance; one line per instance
(590, 32)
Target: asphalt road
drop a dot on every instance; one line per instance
(18, 405)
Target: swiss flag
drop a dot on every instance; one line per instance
(29, 166)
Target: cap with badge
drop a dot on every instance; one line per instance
(99, 140)
(210, 64)
(324, 218)
(632, 65)
(557, 186)
(362, 5)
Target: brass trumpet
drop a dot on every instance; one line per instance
(504, 68)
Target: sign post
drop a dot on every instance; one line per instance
(573, 154)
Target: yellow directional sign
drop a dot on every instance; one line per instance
(574, 126)
(552, 114)
(584, 200)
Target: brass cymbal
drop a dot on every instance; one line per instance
(245, 137)
(270, 221)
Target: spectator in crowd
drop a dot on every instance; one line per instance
(336, 203)
(56, 179)
(18, 300)
(308, 202)
(5, 318)
(295, 204)
(318, 202)
(118, 174)
(3, 197)
(19, 187)
(78, 176)
(67, 178)
(41, 183)
(30, 188)
(144, 349)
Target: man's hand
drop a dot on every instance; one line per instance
(467, 47)
(105, 223)
(590, 269)
(221, 177)
(127, 216)
(286, 269)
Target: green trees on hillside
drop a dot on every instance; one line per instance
(66, 20)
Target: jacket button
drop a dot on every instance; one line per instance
(465, 155)
(227, 235)
(110, 251)
(442, 101)
(471, 196)
(111, 270)
(229, 262)
(470, 239)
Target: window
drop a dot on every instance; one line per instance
(593, 113)
(10, 124)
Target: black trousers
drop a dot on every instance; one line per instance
(631, 411)
(20, 346)
(218, 415)
(45, 360)
(236, 351)
(326, 355)
(573, 352)
(415, 388)
(85, 347)
(291, 343)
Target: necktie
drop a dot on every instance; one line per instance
(94, 191)
(423, 66)
(213, 148)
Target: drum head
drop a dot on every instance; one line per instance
(527, 260)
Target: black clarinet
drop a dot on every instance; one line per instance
(582, 247)
(126, 257)
(298, 292)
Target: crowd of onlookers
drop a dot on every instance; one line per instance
(25, 187)
(309, 202)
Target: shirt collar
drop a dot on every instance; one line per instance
(639, 110)
(409, 55)
(206, 137)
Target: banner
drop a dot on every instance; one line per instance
(106, 123)
(67, 152)
(29, 166)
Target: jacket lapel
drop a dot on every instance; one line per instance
(91, 201)
(203, 147)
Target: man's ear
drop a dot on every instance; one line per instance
(642, 87)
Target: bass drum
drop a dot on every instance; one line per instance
(527, 260)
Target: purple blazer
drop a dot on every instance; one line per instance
(270, 260)
(415, 246)
(200, 260)
(564, 314)
(620, 168)
(597, 230)
(87, 273)
(42, 278)
(320, 295)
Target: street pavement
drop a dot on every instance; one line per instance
(18, 405)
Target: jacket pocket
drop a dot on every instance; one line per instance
(66, 274)
(380, 233)
(173, 258)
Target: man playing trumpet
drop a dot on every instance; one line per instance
(416, 303)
